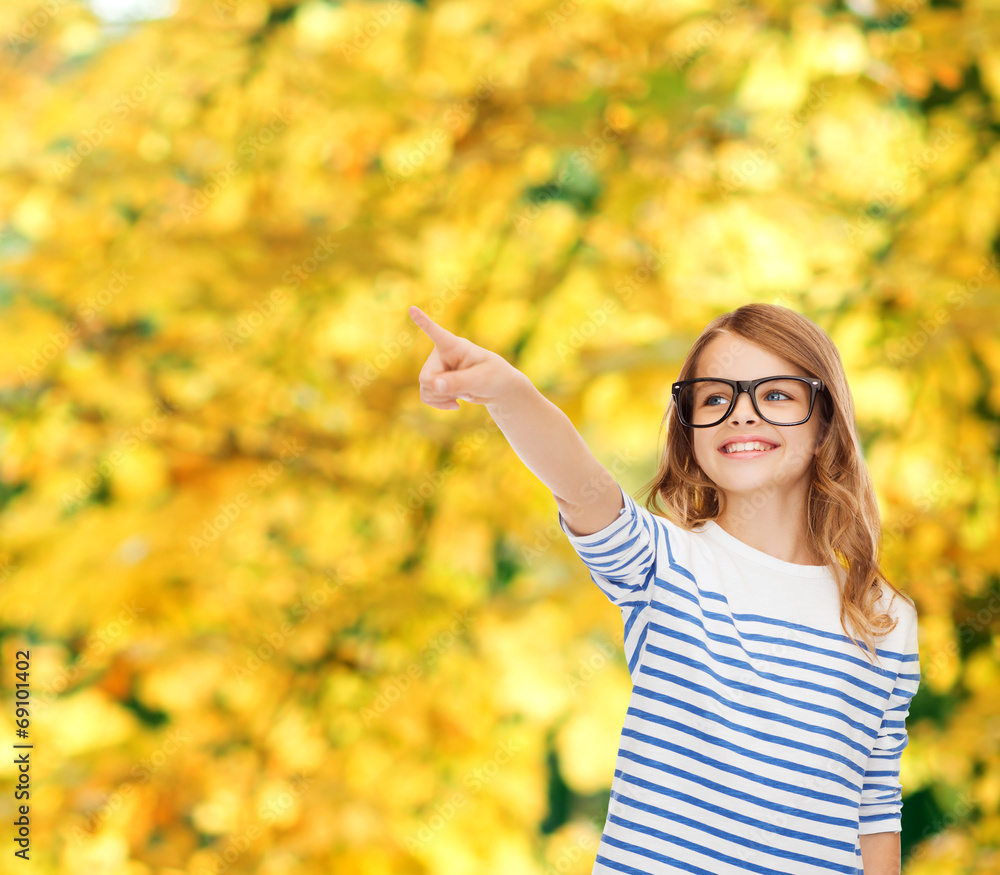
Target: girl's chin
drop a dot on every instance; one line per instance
(747, 490)
(755, 484)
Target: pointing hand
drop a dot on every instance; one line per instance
(458, 369)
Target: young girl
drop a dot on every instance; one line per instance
(772, 664)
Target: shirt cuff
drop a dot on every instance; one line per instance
(887, 824)
(606, 535)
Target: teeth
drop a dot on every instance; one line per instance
(738, 447)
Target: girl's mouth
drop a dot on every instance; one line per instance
(746, 449)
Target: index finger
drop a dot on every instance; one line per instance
(440, 336)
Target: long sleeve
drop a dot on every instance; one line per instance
(881, 795)
(621, 557)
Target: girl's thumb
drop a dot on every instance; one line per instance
(452, 385)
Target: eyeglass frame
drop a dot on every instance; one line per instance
(749, 386)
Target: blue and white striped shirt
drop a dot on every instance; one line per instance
(758, 738)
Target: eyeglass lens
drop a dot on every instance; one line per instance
(779, 401)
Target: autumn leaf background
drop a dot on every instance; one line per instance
(285, 618)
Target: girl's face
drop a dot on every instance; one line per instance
(782, 466)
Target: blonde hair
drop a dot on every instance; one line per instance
(843, 522)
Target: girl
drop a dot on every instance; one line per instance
(772, 664)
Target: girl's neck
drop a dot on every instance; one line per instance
(775, 528)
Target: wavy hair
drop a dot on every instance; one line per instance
(842, 513)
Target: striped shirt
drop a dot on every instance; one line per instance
(758, 737)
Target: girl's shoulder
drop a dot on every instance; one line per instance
(897, 603)
(903, 612)
(660, 518)
(678, 536)
(650, 516)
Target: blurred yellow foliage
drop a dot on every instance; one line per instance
(282, 616)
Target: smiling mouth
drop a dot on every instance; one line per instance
(745, 449)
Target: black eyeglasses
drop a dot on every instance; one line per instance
(707, 401)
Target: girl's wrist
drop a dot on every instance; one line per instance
(511, 395)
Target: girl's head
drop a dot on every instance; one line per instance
(808, 351)
(822, 457)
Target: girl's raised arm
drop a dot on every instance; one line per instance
(544, 439)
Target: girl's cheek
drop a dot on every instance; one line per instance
(699, 452)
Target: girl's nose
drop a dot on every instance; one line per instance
(743, 411)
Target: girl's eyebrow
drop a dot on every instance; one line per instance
(738, 379)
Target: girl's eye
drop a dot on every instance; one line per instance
(775, 395)
(715, 400)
